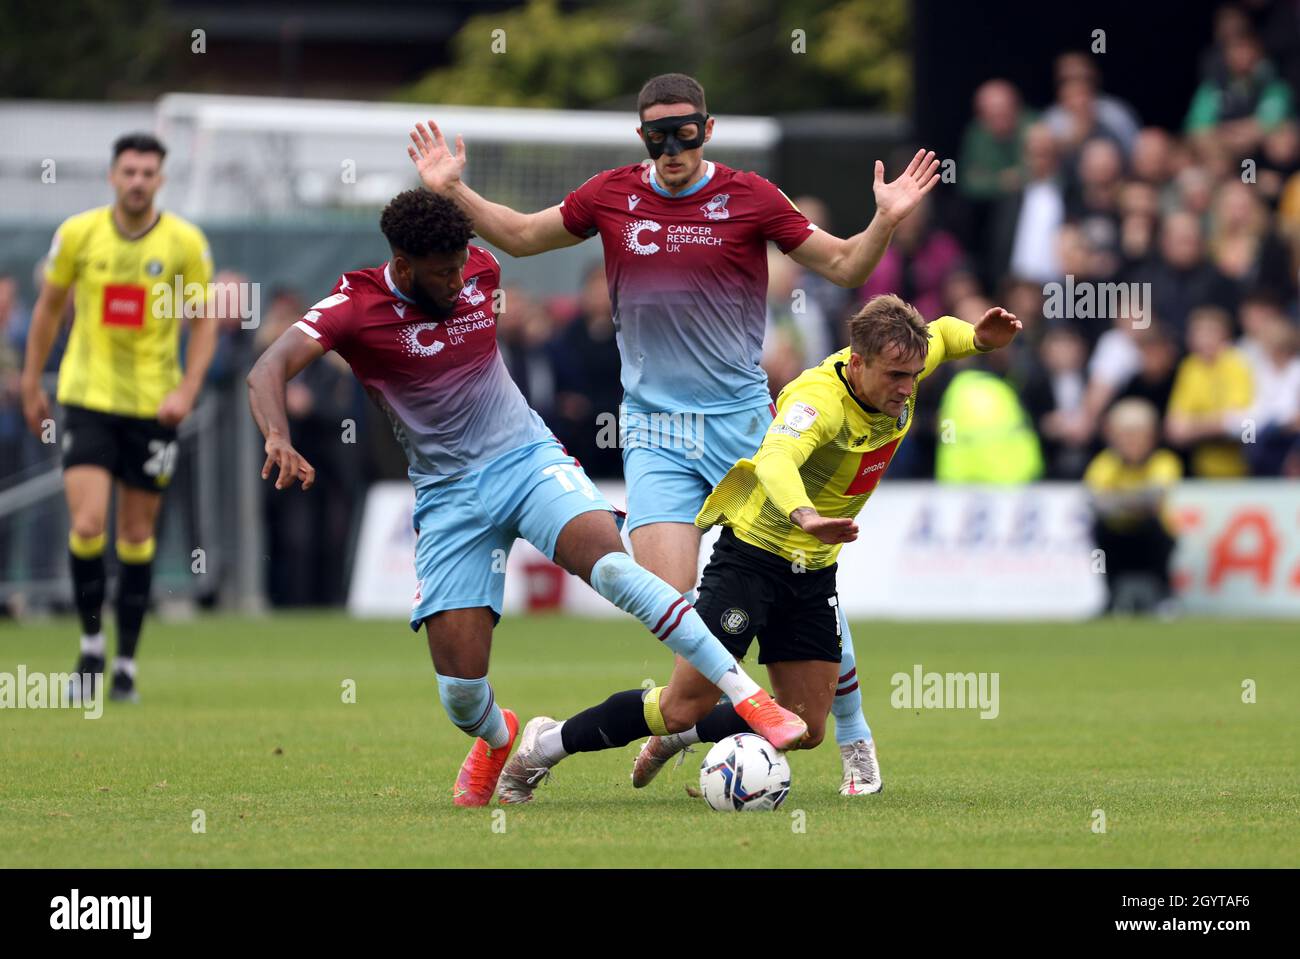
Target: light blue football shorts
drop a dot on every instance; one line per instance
(465, 526)
(671, 462)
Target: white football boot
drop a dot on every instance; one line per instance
(861, 770)
(527, 768)
(654, 755)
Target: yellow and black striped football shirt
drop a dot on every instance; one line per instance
(123, 354)
(825, 449)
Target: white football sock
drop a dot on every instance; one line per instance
(92, 645)
(736, 685)
(124, 665)
(551, 745)
(688, 737)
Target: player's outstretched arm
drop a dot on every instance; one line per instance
(40, 340)
(282, 361)
(849, 262)
(519, 234)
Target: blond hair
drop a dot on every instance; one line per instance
(888, 320)
(1133, 413)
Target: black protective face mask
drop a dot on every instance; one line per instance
(671, 143)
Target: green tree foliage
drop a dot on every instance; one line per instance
(87, 50)
(753, 56)
(532, 56)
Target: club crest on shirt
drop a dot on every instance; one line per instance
(470, 292)
(154, 267)
(716, 208)
(902, 419)
(734, 620)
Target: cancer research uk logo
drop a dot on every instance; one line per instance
(676, 237)
(77, 912)
(24, 690)
(419, 339)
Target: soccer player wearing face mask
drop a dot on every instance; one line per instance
(685, 242)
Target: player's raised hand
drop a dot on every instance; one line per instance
(827, 529)
(292, 465)
(440, 169)
(996, 329)
(896, 199)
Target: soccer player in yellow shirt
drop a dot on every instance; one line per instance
(785, 514)
(121, 384)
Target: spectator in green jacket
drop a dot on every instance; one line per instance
(988, 166)
(1242, 102)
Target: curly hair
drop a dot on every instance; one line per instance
(418, 223)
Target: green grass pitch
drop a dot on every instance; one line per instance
(245, 720)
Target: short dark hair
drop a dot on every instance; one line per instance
(418, 223)
(141, 143)
(671, 88)
(888, 320)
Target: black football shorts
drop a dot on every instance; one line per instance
(749, 593)
(140, 452)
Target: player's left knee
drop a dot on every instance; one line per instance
(609, 572)
(135, 530)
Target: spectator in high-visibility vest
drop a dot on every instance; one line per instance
(985, 435)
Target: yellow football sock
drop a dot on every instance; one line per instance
(654, 718)
(86, 547)
(135, 552)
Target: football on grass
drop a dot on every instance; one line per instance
(744, 773)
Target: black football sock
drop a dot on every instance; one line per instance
(133, 587)
(616, 722)
(722, 722)
(88, 591)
